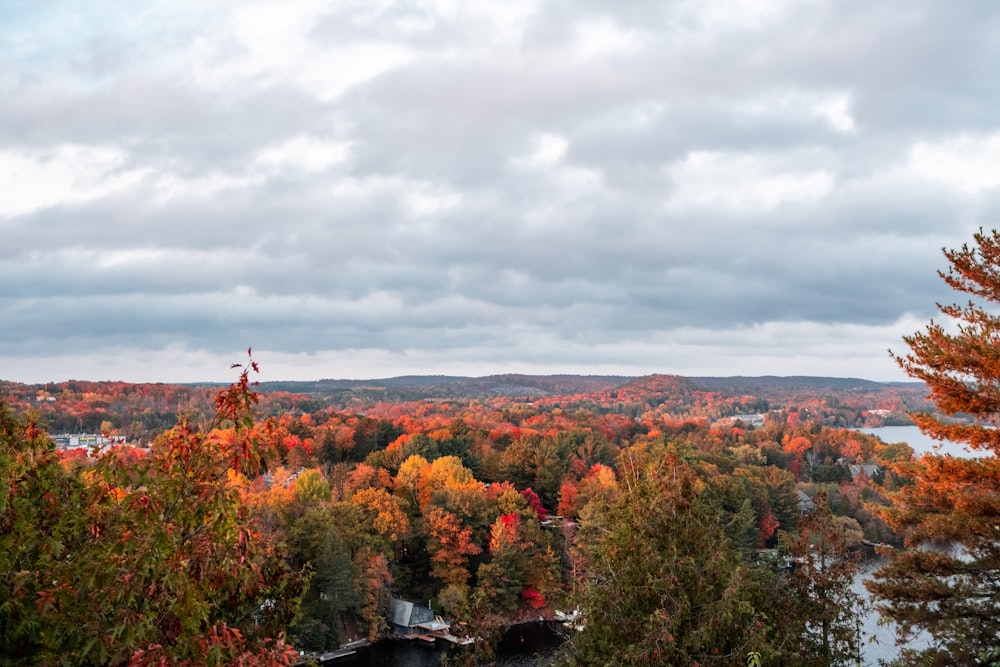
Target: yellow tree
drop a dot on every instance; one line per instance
(385, 512)
(442, 472)
(407, 483)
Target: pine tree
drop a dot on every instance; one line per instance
(947, 580)
(665, 585)
(826, 606)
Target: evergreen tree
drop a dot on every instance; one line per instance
(826, 607)
(947, 580)
(665, 585)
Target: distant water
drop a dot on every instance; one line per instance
(878, 639)
(920, 443)
(527, 645)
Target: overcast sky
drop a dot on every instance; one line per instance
(361, 189)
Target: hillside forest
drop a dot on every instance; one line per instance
(258, 520)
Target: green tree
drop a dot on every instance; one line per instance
(665, 584)
(316, 541)
(149, 561)
(947, 580)
(311, 487)
(329, 597)
(42, 524)
(826, 608)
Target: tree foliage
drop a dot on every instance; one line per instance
(149, 560)
(459, 501)
(666, 586)
(948, 579)
(825, 607)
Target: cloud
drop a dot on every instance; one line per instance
(969, 163)
(64, 175)
(361, 189)
(711, 179)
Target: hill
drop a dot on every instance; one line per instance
(417, 387)
(141, 410)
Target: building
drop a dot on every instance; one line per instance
(414, 621)
(85, 440)
(806, 504)
(868, 470)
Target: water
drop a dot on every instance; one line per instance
(920, 443)
(534, 644)
(878, 642)
(527, 645)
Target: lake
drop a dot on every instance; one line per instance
(878, 640)
(526, 645)
(534, 644)
(920, 443)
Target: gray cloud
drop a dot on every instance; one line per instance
(700, 188)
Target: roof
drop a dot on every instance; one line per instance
(806, 503)
(868, 470)
(433, 626)
(407, 614)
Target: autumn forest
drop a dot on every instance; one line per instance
(691, 521)
(491, 504)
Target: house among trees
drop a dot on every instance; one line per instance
(806, 504)
(415, 622)
(85, 440)
(868, 470)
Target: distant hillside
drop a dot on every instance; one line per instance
(416, 387)
(771, 383)
(659, 384)
(141, 410)
(679, 391)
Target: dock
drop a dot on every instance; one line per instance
(412, 621)
(345, 650)
(877, 545)
(431, 637)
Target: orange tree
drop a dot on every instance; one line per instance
(947, 581)
(140, 561)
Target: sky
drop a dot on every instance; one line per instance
(364, 189)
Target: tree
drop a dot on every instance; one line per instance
(450, 544)
(386, 515)
(665, 585)
(502, 579)
(947, 580)
(372, 587)
(826, 608)
(140, 561)
(311, 487)
(42, 521)
(330, 594)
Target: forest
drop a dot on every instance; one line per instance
(689, 521)
(497, 506)
(139, 412)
